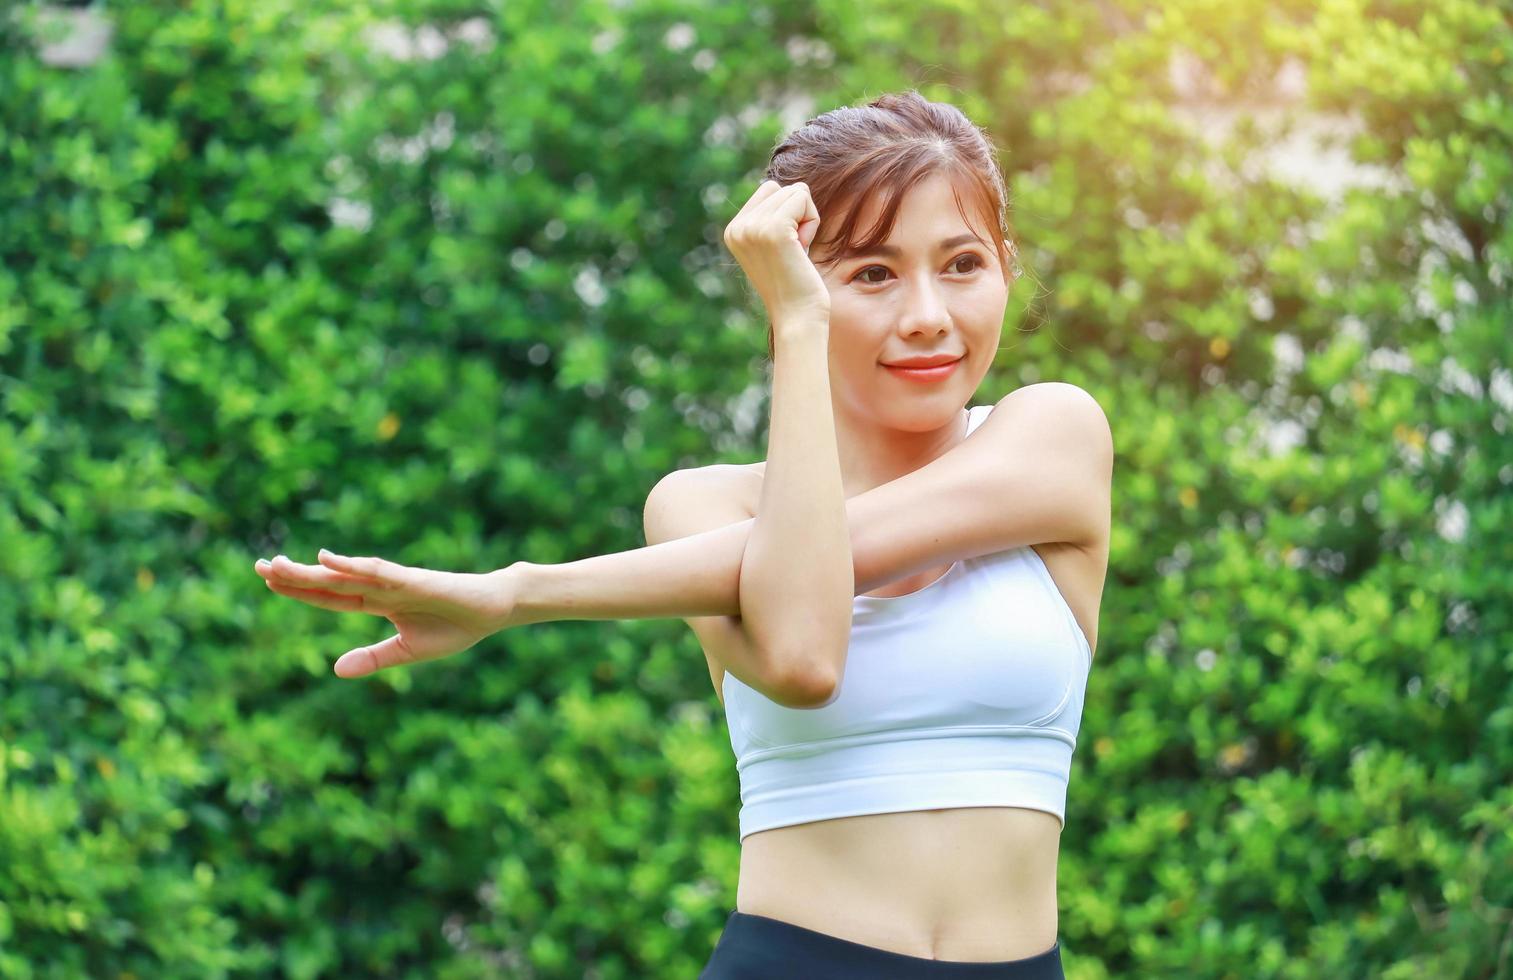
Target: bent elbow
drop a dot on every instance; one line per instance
(807, 689)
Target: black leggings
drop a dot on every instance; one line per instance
(755, 947)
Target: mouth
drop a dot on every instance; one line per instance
(937, 373)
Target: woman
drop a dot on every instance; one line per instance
(898, 619)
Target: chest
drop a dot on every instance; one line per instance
(1077, 572)
(989, 645)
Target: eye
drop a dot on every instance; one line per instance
(976, 260)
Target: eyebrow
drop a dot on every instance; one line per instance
(893, 253)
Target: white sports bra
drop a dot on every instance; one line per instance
(965, 693)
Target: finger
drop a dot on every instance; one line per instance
(787, 192)
(292, 573)
(790, 206)
(377, 569)
(762, 193)
(288, 572)
(765, 190)
(380, 570)
(766, 213)
(323, 600)
(366, 660)
(809, 222)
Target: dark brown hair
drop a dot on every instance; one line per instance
(848, 154)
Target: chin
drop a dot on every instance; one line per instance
(904, 418)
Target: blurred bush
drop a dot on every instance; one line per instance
(446, 284)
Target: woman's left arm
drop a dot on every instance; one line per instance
(1037, 470)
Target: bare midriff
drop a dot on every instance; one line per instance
(971, 884)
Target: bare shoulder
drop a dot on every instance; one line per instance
(1057, 418)
(696, 499)
(736, 479)
(1071, 425)
(690, 501)
(1056, 440)
(1052, 389)
(1070, 409)
(711, 475)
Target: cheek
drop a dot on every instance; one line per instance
(847, 313)
(988, 294)
(856, 342)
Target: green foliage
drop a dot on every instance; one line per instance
(1298, 741)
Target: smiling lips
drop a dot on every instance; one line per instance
(925, 374)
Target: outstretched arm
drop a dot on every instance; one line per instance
(1037, 470)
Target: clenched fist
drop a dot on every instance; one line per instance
(770, 238)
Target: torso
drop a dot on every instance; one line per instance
(973, 884)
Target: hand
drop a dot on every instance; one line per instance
(436, 613)
(770, 238)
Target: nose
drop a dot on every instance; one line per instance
(925, 309)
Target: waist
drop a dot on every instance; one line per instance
(974, 883)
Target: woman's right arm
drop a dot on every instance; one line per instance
(797, 579)
(688, 502)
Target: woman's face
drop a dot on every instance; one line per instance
(926, 298)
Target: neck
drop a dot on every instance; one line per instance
(871, 454)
